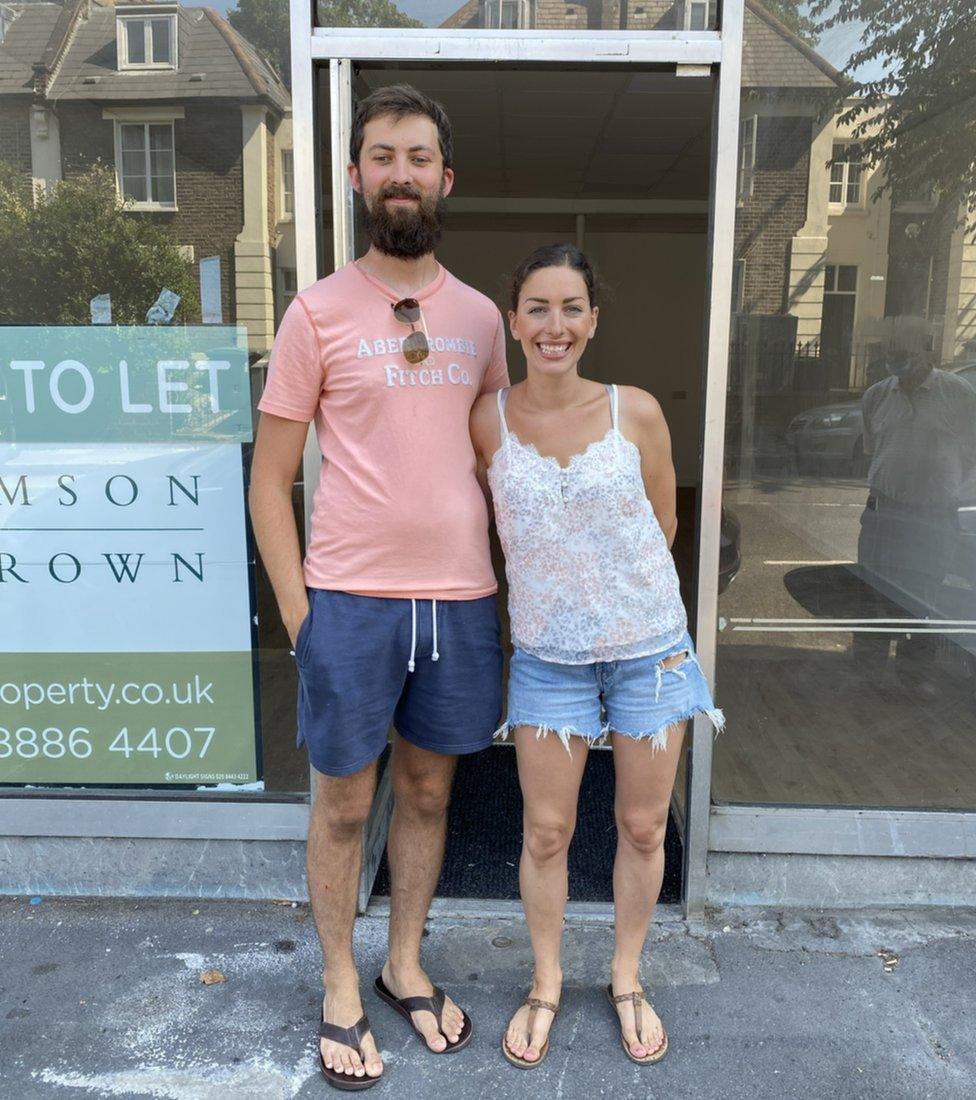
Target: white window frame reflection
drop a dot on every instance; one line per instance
(150, 202)
(832, 278)
(123, 23)
(287, 287)
(738, 284)
(846, 181)
(700, 15)
(287, 212)
(748, 140)
(7, 17)
(495, 12)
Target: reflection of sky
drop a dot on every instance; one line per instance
(836, 45)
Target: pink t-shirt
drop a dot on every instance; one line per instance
(398, 511)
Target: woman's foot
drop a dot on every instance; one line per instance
(640, 1025)
(527, 1042)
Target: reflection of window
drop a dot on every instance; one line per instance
(146, 163)
(918, 197)
(738, 285)
(7, 16)
(840, 279)
(506, 15)
(908, 286)
(845, 178)
(700, 15)
(146, 41)
(287, 286)
(287, 181)
(747, 154)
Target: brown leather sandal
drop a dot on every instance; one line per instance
(351, 1037)
(434, 1005)
(637, 998)
(534, 1005)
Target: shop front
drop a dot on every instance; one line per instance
(760, 281)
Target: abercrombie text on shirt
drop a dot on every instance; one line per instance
(398, 511)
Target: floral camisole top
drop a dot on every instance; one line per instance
(590, 575)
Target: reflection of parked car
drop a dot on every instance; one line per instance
(830, 438)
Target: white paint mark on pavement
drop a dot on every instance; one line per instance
(253, 1080)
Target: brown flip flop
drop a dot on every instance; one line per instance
(534, 1005)
(351, 1037)
(636, 998)
(433, 1004)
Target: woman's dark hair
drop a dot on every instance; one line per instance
(553, 255)
(398, 101)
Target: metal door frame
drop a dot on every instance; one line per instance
(695, 53)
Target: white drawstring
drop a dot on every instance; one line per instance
(435, 656)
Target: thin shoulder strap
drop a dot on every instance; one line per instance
(501, 396)
(614, 407)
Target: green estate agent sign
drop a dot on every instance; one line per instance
(125, 653)
(103, 384)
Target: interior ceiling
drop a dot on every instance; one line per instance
(569, 135)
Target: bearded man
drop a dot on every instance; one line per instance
(392, 615)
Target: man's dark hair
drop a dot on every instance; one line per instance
(398, 101)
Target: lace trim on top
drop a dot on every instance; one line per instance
(589, 571)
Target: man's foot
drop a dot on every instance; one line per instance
(639, 1019)
(343, 1007)
(520, 1040)
(417, 984)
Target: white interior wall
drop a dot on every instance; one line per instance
(652, 313)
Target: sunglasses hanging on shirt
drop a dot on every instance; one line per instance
(416, 346)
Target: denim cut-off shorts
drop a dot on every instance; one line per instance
(638, 698)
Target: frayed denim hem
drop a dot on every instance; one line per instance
(542, 730)
(658, 737)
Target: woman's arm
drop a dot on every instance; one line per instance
(643, 422)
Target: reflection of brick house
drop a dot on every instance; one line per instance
(185, 109)
(811, 246)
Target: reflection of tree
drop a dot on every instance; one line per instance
(795, 14)
(919, 117)
(264, 23)
(78, 242)
(363, 13)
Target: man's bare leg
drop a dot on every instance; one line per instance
(421, 794)
(335, 855)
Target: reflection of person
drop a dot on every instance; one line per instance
(398, 622)
(584, 495)
(920, 437)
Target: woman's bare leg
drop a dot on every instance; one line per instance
(644, 780)
(550, 780)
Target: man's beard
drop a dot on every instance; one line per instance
(403, 232)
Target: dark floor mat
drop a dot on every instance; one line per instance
(485, 834)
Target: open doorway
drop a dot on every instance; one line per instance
(615, 159)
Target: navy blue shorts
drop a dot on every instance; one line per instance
(354, 679)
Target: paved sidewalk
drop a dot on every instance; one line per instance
(104, 998)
